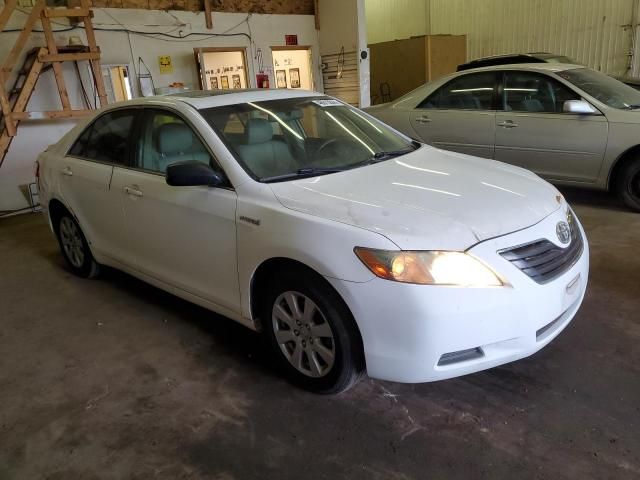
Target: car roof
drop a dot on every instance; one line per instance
(508, 58)
(549, 67)
(216, 98)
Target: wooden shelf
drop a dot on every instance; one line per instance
(14, 100)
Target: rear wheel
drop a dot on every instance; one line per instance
(74, 247)
(312, 333)
(628, 184)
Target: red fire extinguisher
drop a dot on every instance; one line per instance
(262, 80)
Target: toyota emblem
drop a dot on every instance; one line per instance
(564, 232)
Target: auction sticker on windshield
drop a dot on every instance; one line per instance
(328, 103)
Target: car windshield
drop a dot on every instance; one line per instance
(291, 138)
(604, 88)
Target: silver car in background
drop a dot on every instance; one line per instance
(569, 124)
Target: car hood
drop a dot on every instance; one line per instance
(427, 199)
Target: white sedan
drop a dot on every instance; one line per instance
(350, 246)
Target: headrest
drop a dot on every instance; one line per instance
(258, 130)
(295, 114)
(174, 138)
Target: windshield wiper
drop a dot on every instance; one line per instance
(632, 107)
(315, 171)
(380, 156)
(391, 154)
(305, 172)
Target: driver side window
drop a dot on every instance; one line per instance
(534, 92)
(167, 139)
(468, 92)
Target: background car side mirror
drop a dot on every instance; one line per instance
(579, 107)
(193, 173)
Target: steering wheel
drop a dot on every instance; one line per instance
(327, 143)
(346, 143)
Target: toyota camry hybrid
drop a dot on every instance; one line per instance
(351, 247)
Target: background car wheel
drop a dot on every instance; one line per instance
(628, 185)
(74, 247)
(312, 333)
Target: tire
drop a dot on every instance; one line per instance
(74, 247)
(628, 184)
(325, 345)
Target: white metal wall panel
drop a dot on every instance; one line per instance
(596, 33)
(396, 19)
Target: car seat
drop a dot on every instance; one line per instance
(175, 142)
(264, 156)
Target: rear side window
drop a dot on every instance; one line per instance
(469, 92)
(106, 139)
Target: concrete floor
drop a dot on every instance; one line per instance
(114, 379)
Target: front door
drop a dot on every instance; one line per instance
(460, 116)
(533, 132)
(182, 236)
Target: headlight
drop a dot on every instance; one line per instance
(429, 267)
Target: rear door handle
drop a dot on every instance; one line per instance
(67, 171)
(423, 119)
(508, 124)
(133, 190)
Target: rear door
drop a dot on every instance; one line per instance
(533, 132)
(460, 115)
(86, 175)
(183, 236)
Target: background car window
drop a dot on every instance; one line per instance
(106, 139)
(469, 92)
(533, 92)
(167, 139)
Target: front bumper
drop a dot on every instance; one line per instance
(421, 333)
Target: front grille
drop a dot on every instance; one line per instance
(544, 261)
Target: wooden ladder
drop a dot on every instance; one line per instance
(13, 102)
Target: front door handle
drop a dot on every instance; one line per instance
(67, 171)
(508, 124)
(423, 119)
(133, 190)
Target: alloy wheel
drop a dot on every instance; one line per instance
(303, 334)
(72, 243)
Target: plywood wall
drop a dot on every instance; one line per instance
(398, 65)
(402, 65)
(299, 7)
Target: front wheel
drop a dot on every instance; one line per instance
(312, 333)
(74, 247)
(628, 184)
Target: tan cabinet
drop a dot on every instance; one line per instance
(399, 66)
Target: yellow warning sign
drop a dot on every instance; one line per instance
(165, 64)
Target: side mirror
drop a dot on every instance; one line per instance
(193, 173)
(579, 107)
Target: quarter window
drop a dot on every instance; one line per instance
(533, 92)
(469, 92)
(167, 139)
(106, 139)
